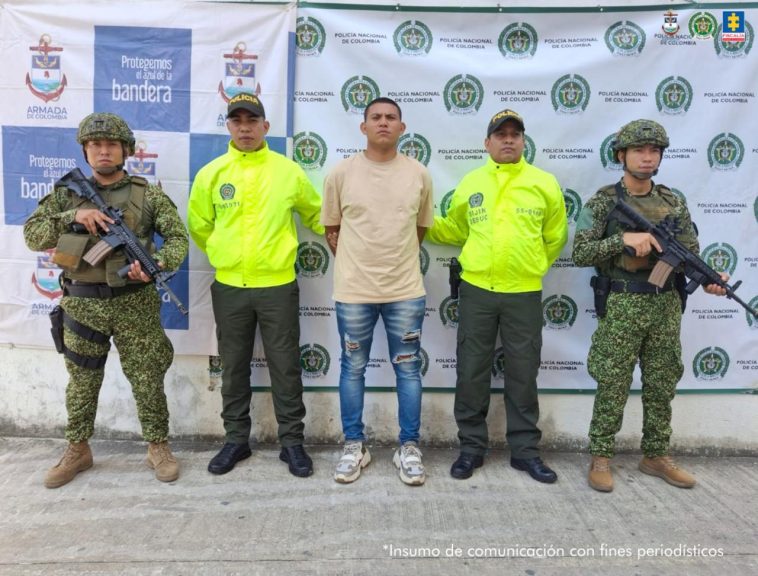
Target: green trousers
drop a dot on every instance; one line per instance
(133, 320)
(518, 319)
(238, 311)
(644, 328)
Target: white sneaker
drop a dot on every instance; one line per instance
(355, 456)
(407, 459)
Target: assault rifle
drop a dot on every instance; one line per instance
(674, 253)
(119, 235)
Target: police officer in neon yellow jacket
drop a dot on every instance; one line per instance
(241, 215)
(510, 218)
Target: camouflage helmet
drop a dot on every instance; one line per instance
(639, 133)
(106, 126)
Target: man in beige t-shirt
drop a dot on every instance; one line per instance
(376, 208)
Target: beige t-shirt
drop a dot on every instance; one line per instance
(378, 206)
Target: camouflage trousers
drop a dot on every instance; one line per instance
(145, 352)
(644, 327)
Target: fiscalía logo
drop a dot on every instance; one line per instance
(142, 163)
(46, 277)
(734, 49)
(570, 94)
(725, 152)
(45, 79)
(670, 24)
(733, 26)
(449, 313)
(625, 38)
(673, 95)
(448, 198)
(227, 191)
(424, 361)
(413, 38)
(475, 200)
(309, 150)
(751, 321)
(463, 94)
(720, 256)
(498, 364)
(423, 260)
(573, 204)
(608, 155)
(310, 36)
(702, 25)
(530, 150)
(239, 73)
(710, 363)
(312, 260)
(357, 92)
(518, 40)
(314, 360)
(415, 146)
(558, 312)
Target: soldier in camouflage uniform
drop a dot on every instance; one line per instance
(99, 305)
(640, 321)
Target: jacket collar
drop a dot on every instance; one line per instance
(254, 156)
(513, 168)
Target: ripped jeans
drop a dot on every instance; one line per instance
(402, 322)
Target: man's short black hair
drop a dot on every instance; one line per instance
(382, 100)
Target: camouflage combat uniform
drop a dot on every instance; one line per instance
(644, 326)
(131, 319)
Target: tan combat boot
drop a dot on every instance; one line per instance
(664, 467)
(77, 458)
(600, 477)
(160, 459)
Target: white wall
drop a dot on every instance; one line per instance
(32, 403)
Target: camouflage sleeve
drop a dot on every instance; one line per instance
(48, 221)
(591, 248)
(170, 227)
(687, 236)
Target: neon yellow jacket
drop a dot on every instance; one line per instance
(241, 215)
(510, 220)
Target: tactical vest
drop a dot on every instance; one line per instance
(71, 248)
(654, 207)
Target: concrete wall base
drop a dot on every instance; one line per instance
(32, 403)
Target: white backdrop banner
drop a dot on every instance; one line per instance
(575, 76)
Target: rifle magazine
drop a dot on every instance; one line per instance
(98, 253)
(660, 273)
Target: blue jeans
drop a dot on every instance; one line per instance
(402, 321)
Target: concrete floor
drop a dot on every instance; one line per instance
(258, 519)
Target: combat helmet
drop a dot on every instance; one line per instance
(106, 126)
(639, 133)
